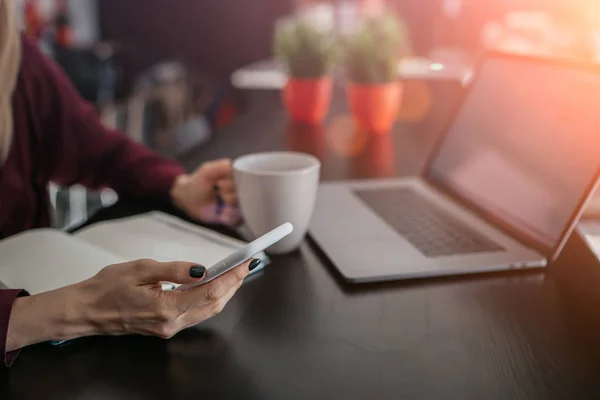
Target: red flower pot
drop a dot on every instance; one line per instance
(307, 100)
(375, 107)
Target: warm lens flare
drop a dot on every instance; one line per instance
(344, 139)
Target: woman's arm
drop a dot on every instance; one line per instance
(121, 299)
(75, 147)
(53, 315)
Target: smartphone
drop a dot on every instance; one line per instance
(242, 255)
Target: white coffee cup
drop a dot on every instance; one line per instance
(274, 188)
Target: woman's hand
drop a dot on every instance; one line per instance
(123, 299)
(208, 194)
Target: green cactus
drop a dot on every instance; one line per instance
(372, 53)
(306, 51)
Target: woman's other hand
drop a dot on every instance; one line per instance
(123, 299)
(208, 194)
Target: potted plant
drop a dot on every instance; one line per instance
(371, 58)
(308, 55)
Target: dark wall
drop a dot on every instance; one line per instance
(216, 36)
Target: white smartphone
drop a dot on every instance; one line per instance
(242, 255)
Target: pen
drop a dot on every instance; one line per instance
(219, 199)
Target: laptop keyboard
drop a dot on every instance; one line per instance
(426, 226)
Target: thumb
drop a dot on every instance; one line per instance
(148, 271)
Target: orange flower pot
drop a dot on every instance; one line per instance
(375, 107)
(307, 100)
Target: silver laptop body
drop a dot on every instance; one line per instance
(503, 189)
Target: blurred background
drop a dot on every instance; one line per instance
(170, 74)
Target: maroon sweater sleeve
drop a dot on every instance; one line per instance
(7, 298)
(78, 148)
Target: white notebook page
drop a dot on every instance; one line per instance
(46, 259)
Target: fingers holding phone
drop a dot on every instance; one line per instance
(206, 301)
(128, 298)
(213, 292)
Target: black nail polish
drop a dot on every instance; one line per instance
(197, 271)
(254, 264)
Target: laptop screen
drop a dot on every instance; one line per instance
(524, 145)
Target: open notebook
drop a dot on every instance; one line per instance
(46, 259)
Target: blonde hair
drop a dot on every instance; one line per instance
(10, 59)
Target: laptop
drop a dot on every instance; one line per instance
(503, 189)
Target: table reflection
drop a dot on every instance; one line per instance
(307, 139)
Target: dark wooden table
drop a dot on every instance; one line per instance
(298, 332)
